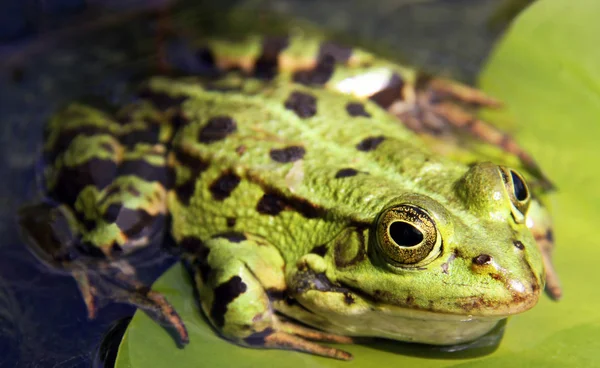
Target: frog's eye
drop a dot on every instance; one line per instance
(407, 236)
(518, 192)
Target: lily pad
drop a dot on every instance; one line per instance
(546, 71)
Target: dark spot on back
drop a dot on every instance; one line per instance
(222, 187)
(225, 294)
(320, 250)
(196, 247)
(339, 54)
(303, 104)
(190, 161)
(144, 170)
(482, 259)
(161, 100)
(67, 136)
(357, 109)
(348, 299)
(319, 75)
(231, 221)
(267, 63)
(72, 180)
(287, 154)
(186, 189)
(519, 244)
(216, 129)
(270, 204)
(150, 135)
(344, 173)
(304, 207)
(133, 223)
(390, 93)
(232, 236)
(370, 143)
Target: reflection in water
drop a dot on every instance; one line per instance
(484, 345)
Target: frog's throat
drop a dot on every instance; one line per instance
(399, 323)
(344, 310)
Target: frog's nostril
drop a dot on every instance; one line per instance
(482, 259)
(519, 244)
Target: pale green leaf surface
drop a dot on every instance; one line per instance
(547, 71)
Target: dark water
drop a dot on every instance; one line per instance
(55, 51)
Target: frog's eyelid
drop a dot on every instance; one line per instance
(518, 193)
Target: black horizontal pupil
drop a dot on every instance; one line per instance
(405, 235)
(519, 187)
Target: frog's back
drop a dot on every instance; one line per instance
(285, 153)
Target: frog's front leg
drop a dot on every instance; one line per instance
(235, 274)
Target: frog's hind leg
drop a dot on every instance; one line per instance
(235, 273)
(438, 106)
(52, 240)
(107, 180)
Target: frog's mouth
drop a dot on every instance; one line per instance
(346, 310)
(413, 325)
(376, 319)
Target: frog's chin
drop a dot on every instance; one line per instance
(409, 325)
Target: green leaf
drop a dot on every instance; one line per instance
(546, 70)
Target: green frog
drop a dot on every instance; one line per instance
(316, 192)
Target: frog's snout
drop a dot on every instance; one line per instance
(521, 280)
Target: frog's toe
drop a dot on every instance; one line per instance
(278, 339)
(311, 334)
(553, 288)
(460, 92)
(96, 286)
(88, 291)
(156, 306)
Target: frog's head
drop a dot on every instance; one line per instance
(472, 256)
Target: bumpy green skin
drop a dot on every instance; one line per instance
(278, 194)
(471, 208)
